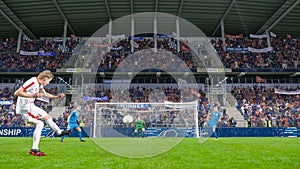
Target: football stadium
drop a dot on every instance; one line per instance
(113, 84)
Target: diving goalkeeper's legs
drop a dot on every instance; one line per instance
(135, 133)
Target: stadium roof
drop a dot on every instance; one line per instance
(46, 18)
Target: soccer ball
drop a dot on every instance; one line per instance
(127, 119)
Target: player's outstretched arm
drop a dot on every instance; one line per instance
(51, 96)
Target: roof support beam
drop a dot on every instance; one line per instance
(16, 22)
(156, 5)
(272, 20)
(180, 8)
(132, 32)
(63, 16)
(155, 32)
(108, 10)
(9, 20)
(284, 14)
(223, 34)
(178, 33)
(131, 6)
(132, 24)
(65, 34)
(224, 16)
(110, 31)
(19, 40)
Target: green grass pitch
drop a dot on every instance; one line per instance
(231, 153)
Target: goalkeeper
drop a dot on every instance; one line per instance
(73, 123)
(139, 125)
(211, 125)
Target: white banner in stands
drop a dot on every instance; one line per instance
(279, 91)
(264, 50)
(258, 36)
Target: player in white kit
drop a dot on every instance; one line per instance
(32, 89)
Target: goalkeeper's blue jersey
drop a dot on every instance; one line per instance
(74, 116)
(214, 119)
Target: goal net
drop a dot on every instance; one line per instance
(168, 119)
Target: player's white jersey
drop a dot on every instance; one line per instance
(31, 86)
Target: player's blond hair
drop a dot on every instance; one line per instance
(45, 73)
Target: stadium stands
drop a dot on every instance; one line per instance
(35, 55)
(257, 104)
(285, 53)
(263, 107)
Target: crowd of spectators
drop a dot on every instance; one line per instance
(262, 107)
(285, 53)
(122, 49)
(13, 61)
(259, 104)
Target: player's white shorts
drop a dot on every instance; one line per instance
(136, 130)
(31, 113)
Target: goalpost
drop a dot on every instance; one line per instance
(168, 119)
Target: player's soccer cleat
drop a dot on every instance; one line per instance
(82, 141)
(65, 132)
(36, 152)
(61, 141)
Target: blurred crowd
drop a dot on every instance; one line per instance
(259, 105)
(285, 53)
(262, 107)
(122, 49)
(54, 55)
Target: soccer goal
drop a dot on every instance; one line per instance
(166, 119)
